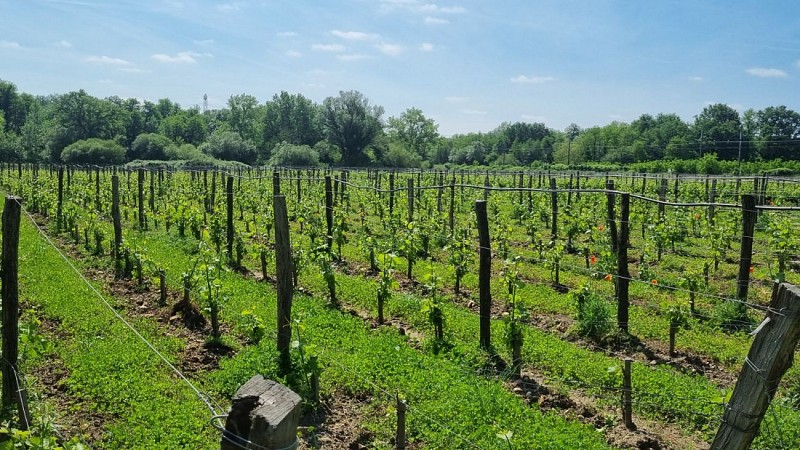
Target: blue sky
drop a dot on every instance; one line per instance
(468, 64)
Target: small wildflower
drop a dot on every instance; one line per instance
(593, 259)
(608, 277)
(601, 227)
(654, 282)
(752, 269)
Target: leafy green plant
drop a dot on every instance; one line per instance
(594, 313)
(517, 313)
(385, 284)
(432, 304)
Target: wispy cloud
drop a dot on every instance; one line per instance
(430, 20)
(231, 7)
(531, 80)
(336, 48)
(293, 54)
(390, 49)
(355, 35)
(426, 47)
(9, 44)
(178, 58)
(352, 57)
(63, 44)
(107, 60)
(764, 72)
(419, 7)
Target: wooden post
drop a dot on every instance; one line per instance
(162, 287)
(627, 410)
(452, 204)
(60, 205)
(283, 273)
(391, 193)
(411, 199)
(97, 205)
(115, 217)
(486, 186)
(140, 197)
(711, 199)
(746, 250)
(623, 275)
(612, 223)
(400, 437)
(12, 393)
(484, 275)
(439, 193)
(662, 197)
(276, 182)
(554, 209)
(770, 356)
(314, 364)
(229, 229)
(329, 212)
(212, 204)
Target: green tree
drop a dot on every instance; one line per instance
(717, 129)
(352, 124)
(285, 154)
(228, 145)
(293, 119)
(778, 131)
(94, 151)
(150, 146)
(415, 131)
(185, 127)
(245, 117)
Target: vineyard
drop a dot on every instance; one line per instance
(612, 311)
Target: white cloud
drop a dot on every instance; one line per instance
(390, 49)
(179, 58)
(531, 80)
(696, 79)
(355, 35)
(429, 20)
(473, 112)
(107, 60)
(293, 54)
(287, 34)
(133, 70)
(419, 7)
(456, 99)
(764, 72)
(426, 47)
(62, 43)
(352, 57)
(328, 47)
(9, 44)
(230, 7)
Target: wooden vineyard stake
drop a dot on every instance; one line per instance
(283, 273)
(11, 392)
(60, 205)
(612, 224)
(554, 209)
(452, 204)
(229, 227)
(484, 275)
(746, 250)
(115, 216)
(411, 199)
(770, 356)
(329, 212)
(400, 436)
(623, 278)
(391, 193)
(140, 198)
(627, 403)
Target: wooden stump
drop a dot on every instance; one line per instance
(264, 414)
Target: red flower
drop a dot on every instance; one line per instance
(601, 227)
(654, 282)
(752, 269)
(593, 259)
(608, 277)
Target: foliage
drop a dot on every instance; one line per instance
(94, 151)
(150, 146)
(228, 145)
(352, 124)
(291, 155)
(594, 313)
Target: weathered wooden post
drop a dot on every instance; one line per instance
(117, 220)
(452, 204)
(329, 212)
(12, 392)
(400, 436)
(391, 193)
(264, 415)
(746, 249)
(553, 209)
(623, 275)
(612, 223)
(411, 199)
(484, 275)
(229, 225)
(140, 198)
(627, 403)
(60, 204)
(770, 356)
(283, 273)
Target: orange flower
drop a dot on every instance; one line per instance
(697, 216)
(752, 269)
(601, 227)
(593, 259)
(608, 277)
(654, 282)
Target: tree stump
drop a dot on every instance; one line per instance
(264, 414)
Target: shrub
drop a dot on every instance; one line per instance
(594, 314)
(94, 151)
(150, 146)
(285, 154)
(228, 145)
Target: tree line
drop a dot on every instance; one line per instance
(348, 130)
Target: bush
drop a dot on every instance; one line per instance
(399, 156)
(285, 154)
(594, 314)
(94, 151)
(187, 152)
(228, 145)
(150, 146)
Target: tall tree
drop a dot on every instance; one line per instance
(245, 117)
(778, 131)
(352, 124)
(291, 118)
(717, 129)
(417, 132)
